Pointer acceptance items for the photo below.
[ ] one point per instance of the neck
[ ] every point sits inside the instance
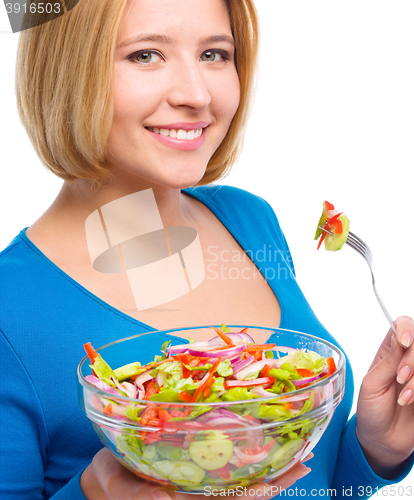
(79, 199)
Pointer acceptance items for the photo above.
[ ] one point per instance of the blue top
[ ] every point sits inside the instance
(46, 317)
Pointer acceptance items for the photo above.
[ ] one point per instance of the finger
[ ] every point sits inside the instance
(308, 457)
(383, 374)
(405, 331)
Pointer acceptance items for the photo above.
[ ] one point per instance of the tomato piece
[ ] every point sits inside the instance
(303, 372)
(332, 367)
(149, 414)
(108, 409)
(150, 390)
(265, 371)
(184, 396)
(224, 471)
(329, 206)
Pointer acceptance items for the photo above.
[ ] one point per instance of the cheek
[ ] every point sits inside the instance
(229, 92)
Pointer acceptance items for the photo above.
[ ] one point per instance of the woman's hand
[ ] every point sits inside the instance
(107, 479)
(385, 413)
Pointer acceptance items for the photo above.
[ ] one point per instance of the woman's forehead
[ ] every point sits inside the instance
(177, 17)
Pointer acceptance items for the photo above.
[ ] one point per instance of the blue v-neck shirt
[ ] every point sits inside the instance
(46, 317)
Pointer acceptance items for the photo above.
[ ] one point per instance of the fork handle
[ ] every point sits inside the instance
(384, 309)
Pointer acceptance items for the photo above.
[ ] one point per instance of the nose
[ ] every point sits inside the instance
(189, 86)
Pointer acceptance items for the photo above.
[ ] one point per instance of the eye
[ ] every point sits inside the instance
(214, 56)
(145, 57)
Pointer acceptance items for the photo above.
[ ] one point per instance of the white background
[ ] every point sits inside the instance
(333, 119)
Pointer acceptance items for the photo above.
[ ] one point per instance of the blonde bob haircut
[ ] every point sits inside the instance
(64, 87)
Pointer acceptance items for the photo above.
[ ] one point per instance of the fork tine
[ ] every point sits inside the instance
(361, 244)
(355, 243)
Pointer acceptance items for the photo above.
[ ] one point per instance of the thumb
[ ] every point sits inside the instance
(382, 374)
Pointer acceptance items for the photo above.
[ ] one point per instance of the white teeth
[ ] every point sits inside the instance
(185, 135)
(182, 134)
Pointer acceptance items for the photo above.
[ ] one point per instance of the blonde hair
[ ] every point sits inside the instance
(64, 87)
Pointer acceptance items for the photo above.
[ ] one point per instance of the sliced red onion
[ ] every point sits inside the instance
(246, 337)
(182, 348)
(250, 459)
(224, 353)
(308, 380)
(235, 360)
(219, 421)
(239, 366)
(261, 391)
(235, 337)
(222, 412)
(140, 381)
(257, 367)
(298, 397)
(103, 386)
(125, 387)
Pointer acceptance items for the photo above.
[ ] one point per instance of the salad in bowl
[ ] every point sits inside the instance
(226, 411)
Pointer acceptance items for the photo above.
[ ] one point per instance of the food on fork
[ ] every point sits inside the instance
(333, 222)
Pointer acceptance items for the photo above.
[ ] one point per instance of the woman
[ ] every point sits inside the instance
(103, 92)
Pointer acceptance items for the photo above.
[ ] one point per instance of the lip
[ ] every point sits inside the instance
(183, 126)
(182, 145)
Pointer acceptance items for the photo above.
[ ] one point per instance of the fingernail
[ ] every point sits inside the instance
(161, 495)
(406, 340)
(304, 473)
(403, 375)
(405, 397)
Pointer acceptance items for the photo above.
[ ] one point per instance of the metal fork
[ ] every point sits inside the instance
(362, 248)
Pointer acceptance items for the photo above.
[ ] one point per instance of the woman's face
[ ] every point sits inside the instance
(176, 90)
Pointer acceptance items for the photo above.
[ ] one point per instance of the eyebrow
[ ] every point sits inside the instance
(154, 37)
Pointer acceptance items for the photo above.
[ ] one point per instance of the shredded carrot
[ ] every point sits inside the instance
(223, 336)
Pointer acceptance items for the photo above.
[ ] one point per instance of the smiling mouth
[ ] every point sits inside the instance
(184, 135)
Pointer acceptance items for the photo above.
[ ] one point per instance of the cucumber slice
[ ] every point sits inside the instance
(211, 454)
(286, 453)
(322, 222)
(127, 371)
(181, 472)
(252, 471)
(336, 241)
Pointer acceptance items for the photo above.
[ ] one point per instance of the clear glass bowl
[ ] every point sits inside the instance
(190, 455)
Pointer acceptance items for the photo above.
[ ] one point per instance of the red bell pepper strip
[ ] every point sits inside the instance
(90, 351)
(210, 375)
(332, 367)
(258, 449)
(108, 409)
(224, 471)
(265, 371)
(229, 384)
(223, 336)
(303, 372)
